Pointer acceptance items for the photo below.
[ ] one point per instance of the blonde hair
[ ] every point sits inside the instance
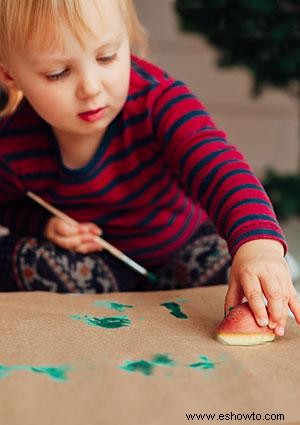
(21, 19)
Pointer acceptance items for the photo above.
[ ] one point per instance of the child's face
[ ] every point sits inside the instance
(78, 89)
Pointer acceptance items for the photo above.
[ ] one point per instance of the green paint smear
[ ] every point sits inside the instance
(59, 373)
(112, 305)
(182, 300)
(175, 310)
(163, 360)
(204, 364)
(229, 310)
(143, 366)
(110, 322)
(146, 367)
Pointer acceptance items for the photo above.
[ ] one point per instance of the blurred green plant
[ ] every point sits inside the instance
(262, 36)
(284, 191)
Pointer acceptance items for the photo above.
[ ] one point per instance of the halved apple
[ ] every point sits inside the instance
(239, 327)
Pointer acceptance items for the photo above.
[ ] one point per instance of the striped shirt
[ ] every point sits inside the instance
(161, 168)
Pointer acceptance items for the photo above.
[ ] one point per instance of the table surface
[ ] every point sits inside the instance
(135, 358)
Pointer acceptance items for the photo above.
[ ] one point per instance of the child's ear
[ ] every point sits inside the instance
(7, 78)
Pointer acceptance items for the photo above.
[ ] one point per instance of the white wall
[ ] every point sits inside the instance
(265, 129)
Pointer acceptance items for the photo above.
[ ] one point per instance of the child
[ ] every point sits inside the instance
(126, 150)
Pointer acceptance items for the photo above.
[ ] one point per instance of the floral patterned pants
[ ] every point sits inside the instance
(36, 264)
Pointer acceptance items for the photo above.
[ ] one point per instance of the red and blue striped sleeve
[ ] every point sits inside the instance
(214, 172)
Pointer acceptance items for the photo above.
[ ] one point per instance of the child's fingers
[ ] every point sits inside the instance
(279, 329)
(89, 228)
(233, 296)
(74, 242)
(87, 244)
(57, 227)
(294, 304)
(61, 228)
(253, 292)
(277, 297)
(88, 247)
(286, 293)
(76, 237)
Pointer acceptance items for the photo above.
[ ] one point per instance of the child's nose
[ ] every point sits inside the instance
(90, 85)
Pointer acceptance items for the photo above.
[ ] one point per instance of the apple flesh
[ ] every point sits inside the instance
(239, 327)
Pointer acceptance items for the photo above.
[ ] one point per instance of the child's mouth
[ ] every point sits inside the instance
(93, 115)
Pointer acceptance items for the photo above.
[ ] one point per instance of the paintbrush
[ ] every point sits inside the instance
(106, 245)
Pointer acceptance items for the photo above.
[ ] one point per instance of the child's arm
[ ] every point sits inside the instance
(212, 171)
(79, 238)
(259, 268)
(215, 174)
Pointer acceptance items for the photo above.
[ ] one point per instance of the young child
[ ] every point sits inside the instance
(126, 150)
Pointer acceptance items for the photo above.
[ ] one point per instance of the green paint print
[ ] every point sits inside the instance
(162, 360)
(58, 373)
(182, 300)
(112, 305)
(175, 310)
(110, 322)
(146, 367)
(4, 371)
(143, 366)
(204, 364)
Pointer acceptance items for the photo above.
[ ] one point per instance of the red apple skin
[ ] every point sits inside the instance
(240, 320)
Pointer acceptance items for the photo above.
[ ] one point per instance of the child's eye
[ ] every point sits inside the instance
(106, 59)
(56, 76)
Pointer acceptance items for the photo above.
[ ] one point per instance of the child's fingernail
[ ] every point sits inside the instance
(263, 322)
(272, 325)
(280, 331)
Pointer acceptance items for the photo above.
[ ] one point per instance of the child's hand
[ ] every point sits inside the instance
(80, 238)
(258, 268)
